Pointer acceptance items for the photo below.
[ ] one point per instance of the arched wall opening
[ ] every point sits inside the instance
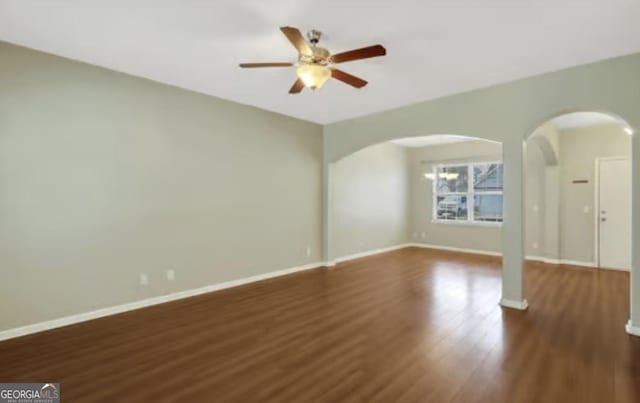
(565, 187)
(581, 181)
(442, 191)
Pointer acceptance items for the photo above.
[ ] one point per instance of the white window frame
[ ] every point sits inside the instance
(470, 193)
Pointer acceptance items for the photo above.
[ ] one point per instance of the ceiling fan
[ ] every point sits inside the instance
(314, 63)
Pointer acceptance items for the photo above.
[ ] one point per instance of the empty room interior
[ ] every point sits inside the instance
(367, 201)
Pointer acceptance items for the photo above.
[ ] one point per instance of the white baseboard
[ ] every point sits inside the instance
(578, 263)
(455, 249)
(492, 253)
(99, 313)
(368, 253)
(561, 261)
(113, 310)
(632, 330)
(615, 269)
(542, 259)
(461, 250)
(510, 303)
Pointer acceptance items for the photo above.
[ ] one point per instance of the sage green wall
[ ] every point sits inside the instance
(422, 227)
(370, 194)
(535, 202)
(104, 176)
(556, 218)
(501, 112)
(568, 234)
(543, 199)
(487, 238)
(579, 149)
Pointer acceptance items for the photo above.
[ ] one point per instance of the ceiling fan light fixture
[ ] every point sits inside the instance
(313, 75)
(313, 61)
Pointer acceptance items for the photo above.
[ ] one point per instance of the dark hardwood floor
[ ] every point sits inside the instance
(415, 325)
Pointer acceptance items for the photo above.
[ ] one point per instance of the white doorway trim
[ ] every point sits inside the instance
(596, 204)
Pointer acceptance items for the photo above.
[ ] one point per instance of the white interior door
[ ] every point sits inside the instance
(614, 215)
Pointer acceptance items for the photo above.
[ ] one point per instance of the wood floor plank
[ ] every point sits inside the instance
(414, 325)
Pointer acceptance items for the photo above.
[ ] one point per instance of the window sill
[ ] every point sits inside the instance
(490, 224)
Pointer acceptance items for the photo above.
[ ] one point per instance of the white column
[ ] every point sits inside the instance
(633, 326)
(513, 225)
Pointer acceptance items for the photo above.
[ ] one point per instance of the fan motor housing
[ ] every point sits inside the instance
(318, 56)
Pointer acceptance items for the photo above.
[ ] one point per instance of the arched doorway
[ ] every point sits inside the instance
(439, 190)
(578, 191)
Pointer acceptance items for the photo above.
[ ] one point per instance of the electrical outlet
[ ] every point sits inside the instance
(535, 245)
(308, 251)
(171, 275)
(423, 235)
(536, 208)
(144, 279)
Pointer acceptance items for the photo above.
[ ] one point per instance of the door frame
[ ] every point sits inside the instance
(596, 204)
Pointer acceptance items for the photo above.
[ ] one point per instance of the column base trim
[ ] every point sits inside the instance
(632, 330)
(514, 304)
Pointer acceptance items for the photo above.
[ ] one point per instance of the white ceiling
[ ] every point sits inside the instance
(431, 140)
(584, 119)
(435, 47)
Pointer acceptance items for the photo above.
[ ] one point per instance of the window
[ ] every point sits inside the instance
(468, 192)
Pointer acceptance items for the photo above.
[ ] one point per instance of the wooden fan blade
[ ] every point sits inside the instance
(296, 87)
(253, 65)
(357, 54)
(297, 40)
(348, 78)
